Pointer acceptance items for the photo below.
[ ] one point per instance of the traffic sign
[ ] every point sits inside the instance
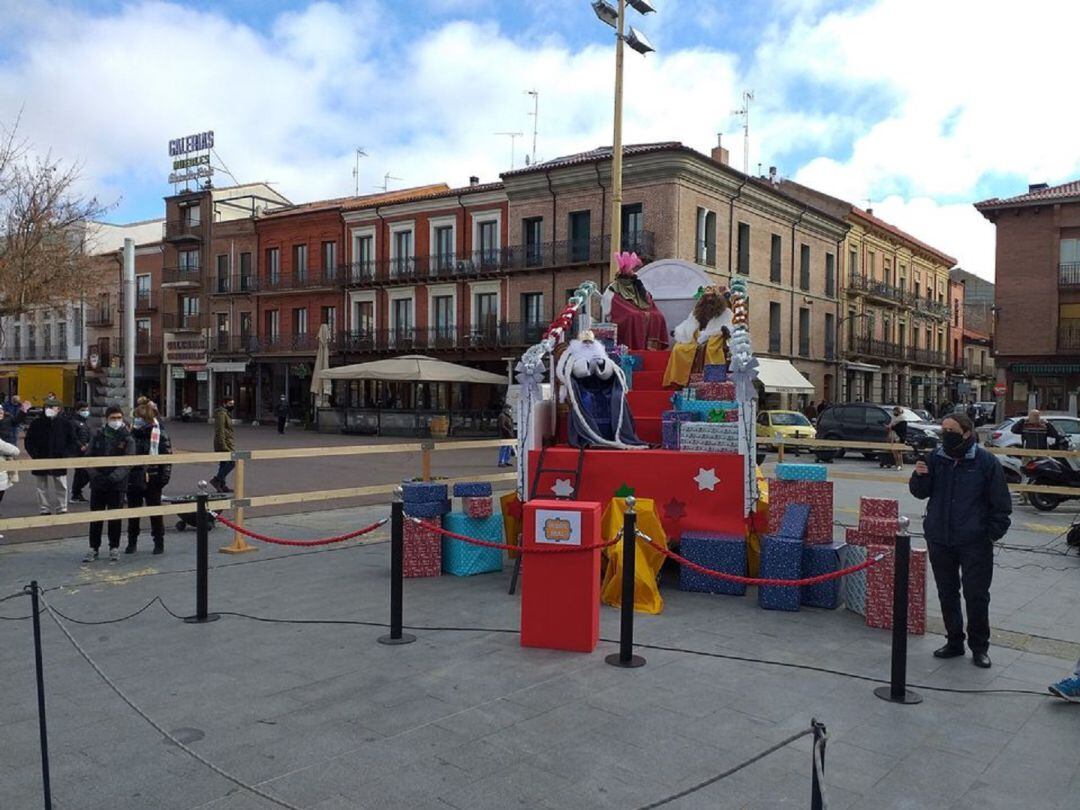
(999, 390)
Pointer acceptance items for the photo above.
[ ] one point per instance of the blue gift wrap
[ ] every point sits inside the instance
(795, 520)
(682, 402)
(718, 552)
(853, 586)
(630, 362)
(681, 416)
(462, 559)
(714, 373)
(669, 434)
(426, 509)
(472, 489)
(424, 491)
(781, 558)
(818, 560)
(800, 472)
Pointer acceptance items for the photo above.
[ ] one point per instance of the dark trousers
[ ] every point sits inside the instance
(281, 424)
(224, 468)
(151, 496)
(971, 567)
(101, 500)
(82, 478)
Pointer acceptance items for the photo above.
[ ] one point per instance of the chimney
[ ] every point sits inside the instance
(719, 153)
(773, 177)
(474, 180)
(1032, 187)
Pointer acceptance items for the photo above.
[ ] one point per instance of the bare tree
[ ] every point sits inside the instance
(44, 227)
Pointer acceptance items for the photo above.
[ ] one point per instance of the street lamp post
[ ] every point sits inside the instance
(616, 18)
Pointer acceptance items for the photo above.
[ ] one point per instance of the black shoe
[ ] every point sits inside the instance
(217, 484)
(130, 548)
(981, 660)
(949, 651)
(78, 498)
(159, 546)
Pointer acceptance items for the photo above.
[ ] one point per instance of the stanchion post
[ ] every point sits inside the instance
(817, 801)
(897, 691)
(202, 560)
(239, 544)
(397, 573)
(779, 448)
(625, 656)
(425, 459)
(43, 730)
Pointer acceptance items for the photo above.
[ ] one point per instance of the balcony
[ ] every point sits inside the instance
(307, 343)
(15, 353)
(972, 369)
(877, 289)
(926, 357)
(100, 317)
(1069, 335)
(312, 279)
(872, 347)
(184, 322)
(1069, 274)
(233, 344)
(147, 345)
(234, 285)
(932, 308)
(183, 276)
(146, 302)
(457, 338)
(183, 231)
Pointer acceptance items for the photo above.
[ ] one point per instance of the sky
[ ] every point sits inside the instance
(914, 107)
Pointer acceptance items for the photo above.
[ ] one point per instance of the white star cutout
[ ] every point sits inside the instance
(706, 479)
(562, 488)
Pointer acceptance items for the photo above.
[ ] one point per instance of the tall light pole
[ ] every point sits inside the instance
(513, 140)
(616, 18)
(535, 117)
(744, 113)
(356, 169)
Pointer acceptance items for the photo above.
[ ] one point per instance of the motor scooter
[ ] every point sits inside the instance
(1053, 472)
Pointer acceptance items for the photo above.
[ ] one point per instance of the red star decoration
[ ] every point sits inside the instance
(674, 509)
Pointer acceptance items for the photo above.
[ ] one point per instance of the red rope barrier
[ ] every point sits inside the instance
(530, 550)
(701, 569)
(277, 541)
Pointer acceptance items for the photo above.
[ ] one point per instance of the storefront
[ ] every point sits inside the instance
(187, 376)
(1046, 386)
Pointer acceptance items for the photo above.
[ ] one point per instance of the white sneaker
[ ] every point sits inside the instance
(91, 556)
(114, 555)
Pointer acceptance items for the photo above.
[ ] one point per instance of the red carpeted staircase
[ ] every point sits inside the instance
(646, 398)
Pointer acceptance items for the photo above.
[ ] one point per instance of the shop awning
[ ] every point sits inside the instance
(780, 377)
(852, 366)
(1045, 368)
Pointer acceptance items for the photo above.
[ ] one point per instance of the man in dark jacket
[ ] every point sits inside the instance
(81, 427)
(145, 483)
(108, 484)
(1038, 434)
(224, 442)
(51, 436)
(969, 509)
(282, 412)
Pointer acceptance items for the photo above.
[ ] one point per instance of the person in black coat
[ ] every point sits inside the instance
(145, 483)
(968, 510)
(1038, 434)
(282, 411)
(51, 436)
(81, 427)
(108, 485)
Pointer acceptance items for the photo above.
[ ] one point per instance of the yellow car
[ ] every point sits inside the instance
(789, 424)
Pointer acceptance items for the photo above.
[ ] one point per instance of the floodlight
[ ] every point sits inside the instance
(638, 41)
(606, 12)
(642, 6)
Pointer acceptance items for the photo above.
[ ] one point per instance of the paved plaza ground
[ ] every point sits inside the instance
(322, 716)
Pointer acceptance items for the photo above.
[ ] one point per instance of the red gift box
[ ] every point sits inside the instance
(421, 551)
(477, 507)
(879, 590)
(714, 391)
(883, 527)
(878, 508)
(818, 495)
(857, 537)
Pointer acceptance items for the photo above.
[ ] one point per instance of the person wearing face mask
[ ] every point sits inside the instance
(82, 435)
(224, 442)
(145, 483)
(968, 510)
(8, 451)
(108, 484)
(51, 436)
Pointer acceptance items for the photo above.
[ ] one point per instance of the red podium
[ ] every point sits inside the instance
(560, 591)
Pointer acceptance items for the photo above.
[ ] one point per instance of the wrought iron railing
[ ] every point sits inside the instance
(185, 274)
(235, 283)
(176, 230)
(455, 337)
(1069, 274)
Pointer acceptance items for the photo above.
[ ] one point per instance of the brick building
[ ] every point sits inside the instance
(975, 353)
(1037, 296)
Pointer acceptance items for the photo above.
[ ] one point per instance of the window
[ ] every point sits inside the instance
(273, 266)
(485, 318)
(580, 235)
(363, 317)
(222, 273)
(190, 215)
(221, 331)
(804, 332)
(142, 291)
(830, 275)
(532, 314)
(871, 264)
(488, 235)
(245, 272)
(61, 335)
(363, 258)
(16, 338)
(189, 311)
(901, 336)
(246, 330)
(774, 259)
(532, 235)
(929, 339)
(443, 313)
(272, 326)
(887, 272)
(142, 336)
(853, 263)
(402, 264)
(328, 316)
(299, 263)
(299, 321)
(633, 220)
(1070, 251)
(329, 260)
(804, 267)
(444, 247)
(705, 242)
(31, 338)
(401, 314)
(774, 327)
(830, 336)
(188, 261)
(46, 335)
(917, 289)
(744, 249)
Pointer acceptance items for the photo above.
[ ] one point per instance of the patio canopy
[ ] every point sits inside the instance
(780, 377)
(413, 368)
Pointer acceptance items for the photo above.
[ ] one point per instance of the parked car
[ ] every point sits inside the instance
(924, 416)
(866, 422)
(788, 424)
(1001, 434)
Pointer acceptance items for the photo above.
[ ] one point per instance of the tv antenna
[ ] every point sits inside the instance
(513, 136)
(386, 182)
(356, 169)
(536, 119)
(744, 112)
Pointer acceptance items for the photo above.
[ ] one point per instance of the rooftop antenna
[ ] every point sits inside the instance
(869, 205)
(356, 169)
(513, 136)
(536, 119)
(386, 182)
(747, 97)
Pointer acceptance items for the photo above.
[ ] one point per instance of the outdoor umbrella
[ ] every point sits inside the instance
(412, 368)
(322, 363)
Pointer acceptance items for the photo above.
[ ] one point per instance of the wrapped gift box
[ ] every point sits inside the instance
(695, 378)
(715, 373)
(424, 492)
(709, 437)
(427, 509)
(879, 590)
(723, 415)
(681, 416)
(818, 560)
(717, 552)
(781, 558)
(800, 472)
(606, 332)
(464, 559)
(817, 494)
(477, 507)
(685, 402)
(879, 527)
(630, 362)
(878, 508)
(669, 434)
(421, 550)
(472, 489)
(723, 391)
(853, 586)
(794, 522)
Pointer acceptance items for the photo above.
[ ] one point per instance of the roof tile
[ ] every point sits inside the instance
(1049, 194)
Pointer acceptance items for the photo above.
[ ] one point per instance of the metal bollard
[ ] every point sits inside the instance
(202, 561)
(397, 573)
(43, 730)
(625, 656)
(817, 800)
(897, 691)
